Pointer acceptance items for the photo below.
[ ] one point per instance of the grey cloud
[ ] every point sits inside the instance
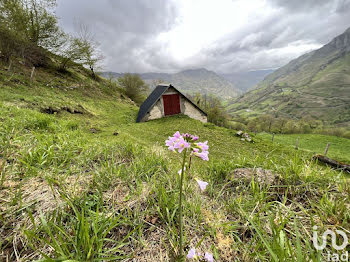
(125, 29)
(128, 31)
(343, 6)
(303, 5)
(260, 44)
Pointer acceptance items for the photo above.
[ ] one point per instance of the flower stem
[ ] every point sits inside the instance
(180, 205)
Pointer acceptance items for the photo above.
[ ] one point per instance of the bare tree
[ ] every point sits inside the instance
(69, 51)
(89, 48)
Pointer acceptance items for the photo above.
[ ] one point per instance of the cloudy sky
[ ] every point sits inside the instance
(221, 35)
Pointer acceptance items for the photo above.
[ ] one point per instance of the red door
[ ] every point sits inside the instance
(171, 104)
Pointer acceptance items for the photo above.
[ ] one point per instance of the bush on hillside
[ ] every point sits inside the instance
(13, 45)
(213, 107)
(33, 20)
(134, 87)
(29, 30)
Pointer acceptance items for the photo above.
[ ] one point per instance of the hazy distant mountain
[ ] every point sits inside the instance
(191, 81)
(316, 84)
(247, 80)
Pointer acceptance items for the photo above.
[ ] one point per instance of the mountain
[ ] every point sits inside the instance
(247, 80)
(190, 81)
(316, 84)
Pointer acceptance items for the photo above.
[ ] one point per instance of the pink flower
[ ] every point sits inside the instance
(195, 150)
(171, 142)
(189, 137)
(177, 142)
(192, 253)
(204, 146)
(202, 184)
(177, 134)
(194, 138)
(209, 257)
(186, 135)
(203, 155)
(181, 145)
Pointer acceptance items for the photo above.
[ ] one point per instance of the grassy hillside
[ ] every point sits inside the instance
(315, 144)
(316, 84)
(81, 181)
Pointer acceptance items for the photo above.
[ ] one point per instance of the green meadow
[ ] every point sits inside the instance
(339, 148)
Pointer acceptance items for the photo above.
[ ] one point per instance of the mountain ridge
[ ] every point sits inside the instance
(316, 84)
(192, 81)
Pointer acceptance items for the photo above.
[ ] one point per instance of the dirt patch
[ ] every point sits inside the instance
(52, 110)
(94, 130)
(49, 110)
(117, 195)
(262, 176)
(224, 246)
(154, 249)
(17, 200)
(37, 196)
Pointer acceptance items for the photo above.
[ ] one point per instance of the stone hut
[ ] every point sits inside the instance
(166, 100)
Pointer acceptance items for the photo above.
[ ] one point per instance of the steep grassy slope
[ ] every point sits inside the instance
(81, 181)
(316, 84)
(192, 81)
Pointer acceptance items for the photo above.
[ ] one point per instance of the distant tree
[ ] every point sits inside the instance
(238, 126)
(267, 122)
(133, 86)
(215, 110)
(213, 107)
(304, 127)
(290, 127)
(156, 82)
(279, 125)
(43, 28)
(310, 121)
(33, 19)
(252, 125)
(68, 52)
(89, 48)
(198, 99)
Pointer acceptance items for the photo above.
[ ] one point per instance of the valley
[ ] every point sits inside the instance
(247, 162)
(316, 85)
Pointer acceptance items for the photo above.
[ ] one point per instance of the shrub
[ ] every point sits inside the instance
(213, 107)
(13, 45)
(134, 87)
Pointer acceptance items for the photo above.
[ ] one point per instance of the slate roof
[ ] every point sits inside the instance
(153, 98)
